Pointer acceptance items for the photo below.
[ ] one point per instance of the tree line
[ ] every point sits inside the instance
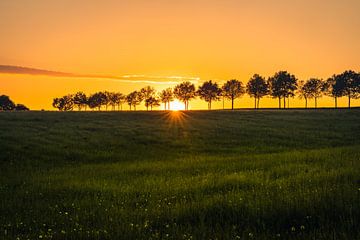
(6, 104)
(281, 86)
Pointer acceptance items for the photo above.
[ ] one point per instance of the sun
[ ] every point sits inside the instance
(177, 106)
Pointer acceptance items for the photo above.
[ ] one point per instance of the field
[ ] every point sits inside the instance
(198, 175)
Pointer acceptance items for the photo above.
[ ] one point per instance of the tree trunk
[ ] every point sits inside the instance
(349, 101)
(255, 103)
(223, 102)
(258, 104)
(288, 102)
(284, 102)
(315, 103)
(210, 105)
(306, 103)
(279, 102)
(335, 102)
(232, 103)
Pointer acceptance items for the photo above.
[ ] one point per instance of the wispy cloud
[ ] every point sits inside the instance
(133, 78)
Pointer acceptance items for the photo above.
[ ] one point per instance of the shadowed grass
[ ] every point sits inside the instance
(196, 175)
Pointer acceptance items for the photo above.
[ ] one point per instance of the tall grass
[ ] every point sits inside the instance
(196, 175)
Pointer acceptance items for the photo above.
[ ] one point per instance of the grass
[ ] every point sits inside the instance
(197, 175)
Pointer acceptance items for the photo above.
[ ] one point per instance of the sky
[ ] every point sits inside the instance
(123, 45)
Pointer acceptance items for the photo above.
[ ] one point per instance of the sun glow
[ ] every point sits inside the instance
(177, 106)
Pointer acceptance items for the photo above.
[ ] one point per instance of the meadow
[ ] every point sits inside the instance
(267, 174)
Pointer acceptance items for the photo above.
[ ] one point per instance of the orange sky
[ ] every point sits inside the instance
(157, 39)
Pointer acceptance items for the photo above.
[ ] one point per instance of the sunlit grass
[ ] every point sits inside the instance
(180, 175)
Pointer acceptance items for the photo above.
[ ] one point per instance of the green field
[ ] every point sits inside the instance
(198, 175)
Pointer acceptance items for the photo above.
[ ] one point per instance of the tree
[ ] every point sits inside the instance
(134, 99)
(120, 100)
(257, 88)
(185, 92)
(167, 96)
(113, 98)
(96, 100)
(106, 99)
(350, 82)
(152, 102)
(209, 92)
(80, 100)
(334, 88)
(6, 104)
(304, 92)
(64, 103)
(282, 85)
(233, 89)
(147, 93)
(315, 88)
(21, 107)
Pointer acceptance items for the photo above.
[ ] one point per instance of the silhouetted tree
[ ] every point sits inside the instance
(80, 100)
(21, 107)
(350, 82)
(64, 103)
(134, 99)
(106, 99)
(282, 85)
(167, 96)
(96, 100)
(334, 88)
(148, 93)
(223, 96)
(315, 89)
(185, 92)
(6, 104)
(112, 97)
(120, 100)
(257, 88)
(209, 92)
(304, 92)
(233, 89)
(152, 102)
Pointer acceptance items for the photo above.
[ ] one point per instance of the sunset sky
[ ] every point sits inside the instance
(123, 45)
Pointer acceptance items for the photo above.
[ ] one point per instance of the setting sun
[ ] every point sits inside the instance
(177, 106)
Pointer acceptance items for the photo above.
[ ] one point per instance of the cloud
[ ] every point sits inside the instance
(135, 78)
(31, 71)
